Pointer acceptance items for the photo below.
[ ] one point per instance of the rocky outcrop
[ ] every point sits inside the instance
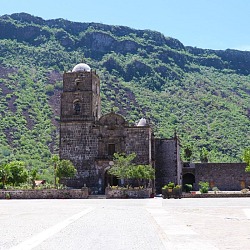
(99, 39)
(236, 60)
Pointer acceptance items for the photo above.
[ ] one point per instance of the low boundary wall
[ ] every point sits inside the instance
(45, 194)
(112, 193)
(218, 195)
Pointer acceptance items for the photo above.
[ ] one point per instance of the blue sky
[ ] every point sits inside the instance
(211, 24)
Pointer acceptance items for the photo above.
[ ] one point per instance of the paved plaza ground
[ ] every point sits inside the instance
(212, 223)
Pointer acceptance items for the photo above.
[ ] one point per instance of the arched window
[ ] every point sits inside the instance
(77, 84)
(188, 178)
(77, 107)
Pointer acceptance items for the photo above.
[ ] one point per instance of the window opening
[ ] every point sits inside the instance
(77, 85)
(111, 149)
(77, 108)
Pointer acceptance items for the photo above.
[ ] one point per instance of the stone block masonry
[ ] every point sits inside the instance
(113, 193)
(167, 162)
(45, 194)
(225, 176)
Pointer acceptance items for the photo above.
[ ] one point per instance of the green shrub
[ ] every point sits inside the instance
(170, 185)
(188, 188)
(215, 189)
(7, 196)
(49, 89)
(177, 188)
(204, 187)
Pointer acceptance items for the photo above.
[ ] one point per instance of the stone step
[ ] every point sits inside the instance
(97, 196)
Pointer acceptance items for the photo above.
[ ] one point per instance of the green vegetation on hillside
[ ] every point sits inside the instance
(204, 95)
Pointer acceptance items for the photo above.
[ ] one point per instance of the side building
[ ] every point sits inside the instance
(224, 176)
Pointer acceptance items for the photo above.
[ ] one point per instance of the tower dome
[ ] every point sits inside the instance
(142, 122)
(81, 67)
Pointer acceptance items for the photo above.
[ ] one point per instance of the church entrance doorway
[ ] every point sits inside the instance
(110, 180)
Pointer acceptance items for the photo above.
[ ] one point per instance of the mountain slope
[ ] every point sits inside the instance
(202, 94)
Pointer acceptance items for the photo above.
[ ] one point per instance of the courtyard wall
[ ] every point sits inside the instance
(225, 176)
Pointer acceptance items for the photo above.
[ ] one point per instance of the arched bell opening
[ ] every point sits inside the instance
(188, 178)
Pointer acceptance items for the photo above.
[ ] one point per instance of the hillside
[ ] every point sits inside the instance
(202, 94)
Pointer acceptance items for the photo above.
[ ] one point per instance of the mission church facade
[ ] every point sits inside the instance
(89, 139)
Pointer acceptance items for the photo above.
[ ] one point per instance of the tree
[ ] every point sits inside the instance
(204, 155)
(65, 168)
(18, 171)
(55, 161)
(5, 173)
(188, 153)
(122, 165)
(246, 158)
(142, 173)
(123, 168)
(33, 176)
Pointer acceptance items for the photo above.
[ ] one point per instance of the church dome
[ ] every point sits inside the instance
(142, 122)
(81, 67)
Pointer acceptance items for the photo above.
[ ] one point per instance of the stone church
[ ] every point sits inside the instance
(90, 139)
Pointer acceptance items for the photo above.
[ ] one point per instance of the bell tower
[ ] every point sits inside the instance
(80, 110)
(80, 99)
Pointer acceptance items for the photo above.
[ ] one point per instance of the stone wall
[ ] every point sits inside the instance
(225, 176)
(128, 193)
(74, 81)
(79, 144)
(217, 195)
(45, 194)
(84, 99)
(82, 88)
(138, 140)
(111, 132)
